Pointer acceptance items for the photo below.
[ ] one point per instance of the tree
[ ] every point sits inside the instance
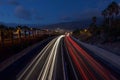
(105, 13)
(34, 32)
(2, 28)
(110, 14)
(25, 30)
(19, 32)
(76, 32)
(11, 29)
(113, 8)
(94, 19)
(93, 27)
(113, 11)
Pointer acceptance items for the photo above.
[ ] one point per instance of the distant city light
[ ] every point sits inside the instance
(85, 30)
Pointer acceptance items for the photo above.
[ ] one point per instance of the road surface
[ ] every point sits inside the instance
(66, 58)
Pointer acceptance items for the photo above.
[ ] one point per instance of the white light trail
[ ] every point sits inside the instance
(41, 54)
(51, 62)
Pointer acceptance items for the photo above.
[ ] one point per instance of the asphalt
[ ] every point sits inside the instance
(62, 58)
(108, 64)
(15, 68)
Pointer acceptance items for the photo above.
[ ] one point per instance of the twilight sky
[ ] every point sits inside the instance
(50, 11)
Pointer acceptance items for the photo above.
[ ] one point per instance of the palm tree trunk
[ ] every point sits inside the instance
(2, 38)
(19, 34)
(25, 34)
(12, 38)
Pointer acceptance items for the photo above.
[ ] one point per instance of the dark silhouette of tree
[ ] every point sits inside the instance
(111, 12)
(19, 32)
(2, 28)
(26, 29)
(29, 32)
(76, 32)
(93, 27)
(11, 30)
(105, 13)
(94, 18)
(110, 15)
(34, 32)
(113, 9)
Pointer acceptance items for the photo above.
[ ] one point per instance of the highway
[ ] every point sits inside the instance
(87, 66)
(66, 58)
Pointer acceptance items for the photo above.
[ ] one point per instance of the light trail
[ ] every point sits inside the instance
(51, 62)
(76, 78)
(82, 67)
(45, 65)
(84, 77)
(47, 69)
(34, 63)
(63, 63)
(95, 64)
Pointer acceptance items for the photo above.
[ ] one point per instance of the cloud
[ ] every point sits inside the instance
(13, 2)
(36, 14)
(22, 13)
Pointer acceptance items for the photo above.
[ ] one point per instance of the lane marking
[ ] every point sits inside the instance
(39, 55)
(50, 61)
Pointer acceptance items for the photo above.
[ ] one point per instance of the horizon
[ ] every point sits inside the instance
(62, 25)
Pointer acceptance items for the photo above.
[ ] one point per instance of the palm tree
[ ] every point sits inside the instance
(93, 27)
(105, 13)
(2, 27)
(34, 31)
(11, 29)
(25, 30)
(19, 32)
(29, 32)
(94, 18)
(113, 10)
